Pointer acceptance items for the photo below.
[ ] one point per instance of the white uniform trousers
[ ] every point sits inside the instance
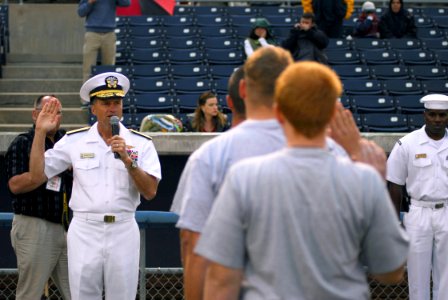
(100, 252)
(428, 232)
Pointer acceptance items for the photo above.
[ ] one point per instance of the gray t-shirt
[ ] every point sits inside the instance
(302, 223)
(205, 170)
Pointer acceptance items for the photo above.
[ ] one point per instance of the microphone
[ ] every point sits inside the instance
(114, 123)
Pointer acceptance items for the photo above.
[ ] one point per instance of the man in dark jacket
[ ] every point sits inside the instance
(305, 41)
(397, 22)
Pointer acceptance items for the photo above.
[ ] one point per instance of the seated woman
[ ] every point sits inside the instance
(367, 23)
(260, 36)
(207, 117)
(397, 22)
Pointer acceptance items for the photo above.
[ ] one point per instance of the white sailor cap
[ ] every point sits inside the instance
(435, 101)
(104, 86)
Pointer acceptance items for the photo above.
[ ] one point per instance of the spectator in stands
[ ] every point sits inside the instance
(207, 117)
(113, 169)
(260, 36)
(38, 233)
(100, 32)
(418, 162)
(367, 23)
(397, 22)
(330, 14)
(306, 41)
(290, 222)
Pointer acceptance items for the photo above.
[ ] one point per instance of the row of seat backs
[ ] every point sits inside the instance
(388, 44)
(392, 71)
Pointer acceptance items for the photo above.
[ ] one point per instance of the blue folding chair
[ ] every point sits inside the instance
(441, 21)
(429, 33)
(339, 44)
(282, 21)
(346, 101)
(98, 69)
(268, 11)
(183, 10)
(424, 22)
(434, 11)
(242, 20)
(209, 10)
(146, 31)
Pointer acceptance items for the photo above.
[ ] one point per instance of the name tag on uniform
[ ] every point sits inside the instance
(87, 155)
(54, 184)
(420, 155)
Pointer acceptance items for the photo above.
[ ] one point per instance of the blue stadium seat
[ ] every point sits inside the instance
(372, 103)
(145, 43)
(183, 10)
(417, 57)
(187, 102)
(146, 31)
(211, 20)
(363, 87)
(416, 121)
(242, 31)
(390, 72)
(346, 101)
(402, 87)
(267, 11)
(437, 44)
(147, 56)
(144, 21)
(214, 31)
(193, 70)
(385, 122)
(242, 20)
(185, 56)
(282, 21)
(429, 33)
(434, 11)
(152, 102)
(222, 71)
(435, 86)
(181, 20)
(336, 57)
(189, 42)
(224, 57)
(221, 43)
(404, 44)
(146, 71)
(180, 31)
(369, 44)
(209, 10)
(151, 85)
(423, 72)
(191, 86)
(380, 57)
(352, 71)
(341, 44)
(95, 70)
(441, 21)
(281, 32)
(409, 104)
(442, 57)
(242, 10)
(424, 22)
(220, 85)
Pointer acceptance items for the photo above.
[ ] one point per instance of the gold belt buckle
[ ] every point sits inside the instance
(109, 219)
(439, 205)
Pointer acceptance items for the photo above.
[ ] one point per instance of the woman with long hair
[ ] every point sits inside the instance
(207, 117)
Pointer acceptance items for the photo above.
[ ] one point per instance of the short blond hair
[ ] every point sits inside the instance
(306, 94)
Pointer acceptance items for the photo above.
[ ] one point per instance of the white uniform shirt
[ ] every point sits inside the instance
(101, 183)
(414, 161)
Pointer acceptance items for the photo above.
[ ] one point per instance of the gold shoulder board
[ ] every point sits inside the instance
(141, 134)
(78, 130)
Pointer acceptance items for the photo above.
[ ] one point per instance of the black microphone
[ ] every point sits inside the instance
(114, 123)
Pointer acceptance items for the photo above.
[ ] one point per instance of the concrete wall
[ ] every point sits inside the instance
(45, 29)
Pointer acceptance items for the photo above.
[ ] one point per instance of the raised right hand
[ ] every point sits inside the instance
(49, 116)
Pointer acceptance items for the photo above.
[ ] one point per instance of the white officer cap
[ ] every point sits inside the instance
(104, 86)
(435, 101)
(368, 6)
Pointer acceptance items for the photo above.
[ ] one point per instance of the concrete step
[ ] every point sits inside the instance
(15, 116)
(43, 58)
(52, 86)
(17, 100)
(24, 127)
(38, 71)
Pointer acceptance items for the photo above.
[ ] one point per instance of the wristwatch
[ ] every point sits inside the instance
(133, 165)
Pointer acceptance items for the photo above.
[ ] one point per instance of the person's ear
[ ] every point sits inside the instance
(242, 89)
(229, 102)
(278, 114)
(34, 115)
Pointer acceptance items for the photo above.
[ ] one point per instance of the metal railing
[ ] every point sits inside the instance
(167, 284)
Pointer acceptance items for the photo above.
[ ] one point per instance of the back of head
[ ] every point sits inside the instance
(306, 94)
(261, 70)
(234, 93)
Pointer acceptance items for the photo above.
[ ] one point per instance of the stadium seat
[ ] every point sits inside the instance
(429, 33)
(190, 70)
(242, 11)
(147, 56)
(151, 85)
(424, 22)
(183, 10)
(416, 121)
(372, 104)
(441, 21)
(434, 11)
(346, 101)
(193, 43)
(222, 71)
(187, 103)
(242, 20)
(145, 43)
(417, 57)
(146, 31)
(379, 57)
(282, 21)
(212, 31)
(144, 21)
(191, 86)
(442, 57)
(95, 70)
(156, 103)
(389, 72)
(220, 85)
(435, 86)
(369, 44)
(266, 11)
(146, 71)
(437, 44)
(404, 44)
(221, 43)
(402, 87)
(341, 44)
(211, 20)
(177, 21)
(343, 57)
(423, 72)
(352, 71)
(409, 104)
(385, 122)
(185, 56)
(362, 87)
(180, 31)
(242, 31)
(224, 57)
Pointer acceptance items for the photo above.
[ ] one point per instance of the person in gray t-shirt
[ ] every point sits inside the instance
(301, 223)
